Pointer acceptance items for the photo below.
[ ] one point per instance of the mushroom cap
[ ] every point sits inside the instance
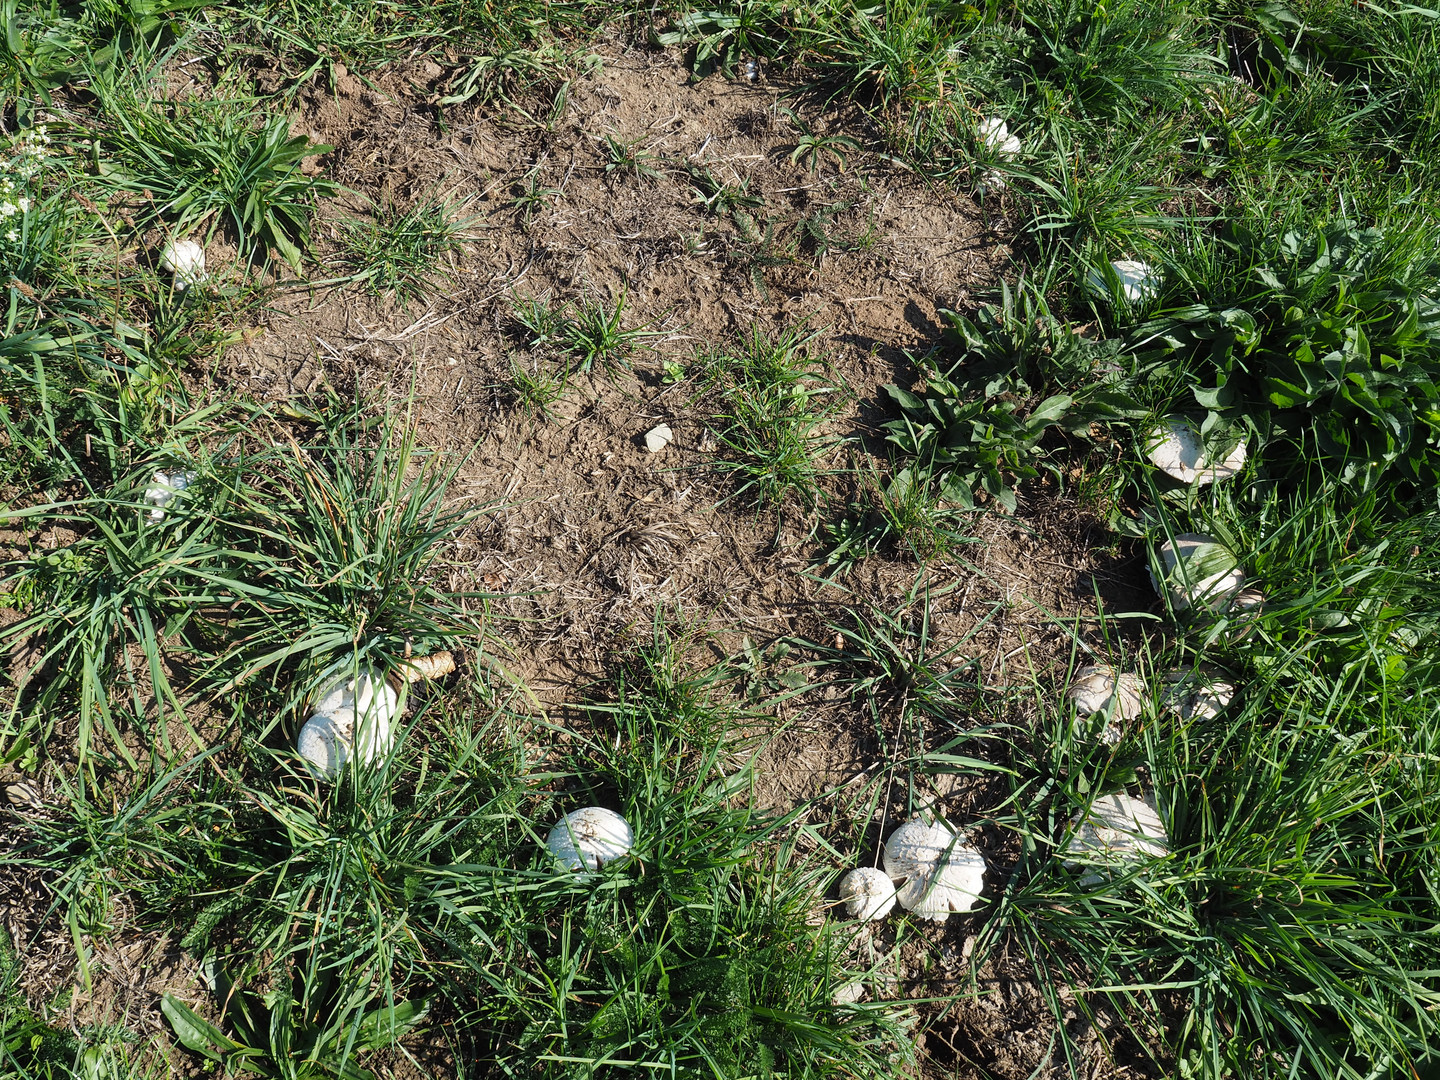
(1099, 688)
(589, 838)
(1250, 601)
(1139, 281)
(323, 747)
(186, 260)
(1117, 827)
(993, 131)
(1197, 695)
(995, 135)
(1176, 447)
(163, 488)
(868, 893)
(1198, 570)
(352, 714)
(942, 873)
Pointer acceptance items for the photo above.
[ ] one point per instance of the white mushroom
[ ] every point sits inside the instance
(1197, 695)
(1099, 688)
(164, 486)
(1139, 282)
(353, 716)
(589, 838)
(995, 135)
(868, 893)
(186, 260)
(1176, 447)
(1116, 828)
(1249, 602)
(942, 873)
(1198, 571)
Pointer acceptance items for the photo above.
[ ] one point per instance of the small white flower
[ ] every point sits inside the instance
(24, 205)
(7, 209)
(7, 186)
(12, 236)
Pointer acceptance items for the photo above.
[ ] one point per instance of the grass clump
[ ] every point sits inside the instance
(770, 401)
(1274, 936)
(401, 252)
(205, 163)
(339, 537)
(582, 332)
(902, 512)
(697, 954)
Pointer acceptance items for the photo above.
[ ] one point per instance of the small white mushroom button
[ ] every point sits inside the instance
(868, 893)
(587, 839)
(352, 717)
(186, 260)
(1198, 571)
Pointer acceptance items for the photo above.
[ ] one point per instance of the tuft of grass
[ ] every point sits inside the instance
(535, 387)
(770, 400)
(697, 952)
(401, 252)
(630, 157)
(340, 536)
(585, 332)
(531, 196)
(106, 603)
(901, 512)
(204, 164)
(1274, 930)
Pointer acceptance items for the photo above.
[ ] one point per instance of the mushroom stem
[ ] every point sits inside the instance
(421, 668)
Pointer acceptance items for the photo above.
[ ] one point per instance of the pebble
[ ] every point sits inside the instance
(23, 797)
(659, 437)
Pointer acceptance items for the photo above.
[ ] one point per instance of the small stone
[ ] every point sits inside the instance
(848, 994)
(659, 437)
(23, 797)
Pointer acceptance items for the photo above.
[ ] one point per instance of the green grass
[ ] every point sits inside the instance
(902, 513)
(1277, 163)
(583, 332)
(403, 252)
(206, 164)
(770, 398)
(1276, 920)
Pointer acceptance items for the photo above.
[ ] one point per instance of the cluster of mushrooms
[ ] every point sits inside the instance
(1197, 570)
(932, 872)
(353, 718)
